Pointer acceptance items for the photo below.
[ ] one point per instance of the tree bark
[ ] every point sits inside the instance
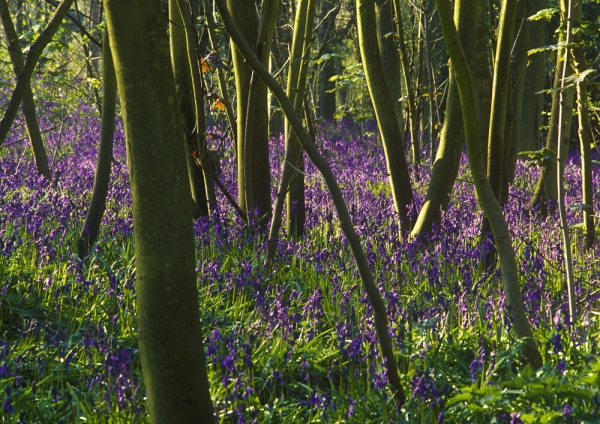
(169, 333)
(530, 133)
(485, 194)
(585, 140)
(383, 103)
(97, 206)
(546, 190)
(185, 93)
(379, 309)
(244, 14)
(452, 137)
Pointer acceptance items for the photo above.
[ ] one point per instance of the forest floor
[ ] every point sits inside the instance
(296, 344)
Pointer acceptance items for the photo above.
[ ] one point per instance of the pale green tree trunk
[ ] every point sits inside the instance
(97, 206)
(546, 189)
(484, 192)
(586, 140)
(383, 103)
(256, 147)
(296, 86)
(169, 333)
(452, 137)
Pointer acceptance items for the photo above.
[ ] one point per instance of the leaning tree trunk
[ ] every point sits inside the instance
(377, 303)
(452, 138)
(485, 194)
(97, 206)
(383, 103)
(169, 332)
(24, 77)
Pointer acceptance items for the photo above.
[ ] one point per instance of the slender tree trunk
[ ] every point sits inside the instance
(483, 189)
(452, 138)
(169, 333)
(384, 22)
(546, 190)
(482, 75)
(391, 134)
(23, 89)
(530, 133)
(407, 75)
(97, 206)
(585, 140)
(220, 72)
(326, 36)
(377, 303)
(500, 98)
(185, 93)
(252, 151)
(296, 86)
(28, 106)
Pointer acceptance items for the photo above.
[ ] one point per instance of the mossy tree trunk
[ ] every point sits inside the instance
(97, 206)
(452, 137)
(169, 332)
(383, 103)
(484, 192)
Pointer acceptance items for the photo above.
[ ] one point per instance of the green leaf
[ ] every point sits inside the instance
(546, 14)
(459, 398)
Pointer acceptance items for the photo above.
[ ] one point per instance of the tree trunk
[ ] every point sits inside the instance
(530, 133)
(185, 93)
(255, 165)
(384, 22)
(483, 189)
(546, 190)
(585, 140)
(482, 75)
(169, 333)
(24, 71)
(97, 206)
(296, 86)
(326, 36)
(452, 138)
(383, 103)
